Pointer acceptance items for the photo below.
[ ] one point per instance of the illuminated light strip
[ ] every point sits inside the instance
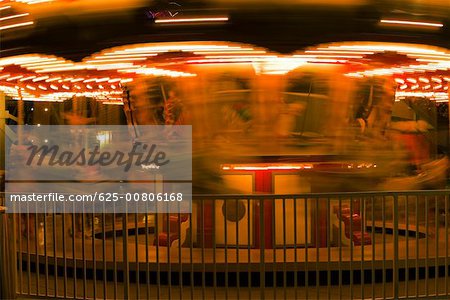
(399, 80)
(431, 95)
(266, 168)
(116, 66)
(27, 78)
(116, 60)
(43, 61)
(31, 87)
(16, 25)
(119, 102)
(384, 48)
(328, 56)
(50, 66)
(401, 22)
(424, 80)
(126, 80)
(67, 79)
(102, 79)
(426, 87)
(114, 80)
(5, 7)
(5, 76)
(42, 87)
(435, 56)
(90, 80)
(225, 60)
(405, 69)
(158, 72)
(124, 56)
(65, 87)
(191, 48)
(436, 79)
(338, 52)
(187, 20)
(14, 78)
(53, 79)
(69, 68)
(89, 86)
(17, 60)
(53, 87)
(76, 79)
(40, 78)
(14, 16)
(230, 52)
(240, 56)
(437, 87)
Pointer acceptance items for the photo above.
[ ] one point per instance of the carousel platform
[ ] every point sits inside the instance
(135, 249)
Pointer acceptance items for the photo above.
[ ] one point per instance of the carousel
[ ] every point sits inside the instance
(330, 118)
(265, 133)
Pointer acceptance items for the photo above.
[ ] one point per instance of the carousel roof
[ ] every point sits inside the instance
(419, 71)
(74, 29)
(56, 49)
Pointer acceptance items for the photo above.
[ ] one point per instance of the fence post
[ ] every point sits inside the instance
(7, 257)
(395, 275)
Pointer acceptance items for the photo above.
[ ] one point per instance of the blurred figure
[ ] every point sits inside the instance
(173, 110)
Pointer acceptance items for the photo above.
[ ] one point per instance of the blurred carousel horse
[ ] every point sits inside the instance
(430, 176)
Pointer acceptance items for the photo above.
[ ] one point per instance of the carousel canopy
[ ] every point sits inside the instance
(418, 71)
(74, 29)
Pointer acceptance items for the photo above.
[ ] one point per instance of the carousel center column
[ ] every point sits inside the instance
(267, 107)
(336, 118)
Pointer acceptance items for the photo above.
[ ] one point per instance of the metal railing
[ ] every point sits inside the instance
(346, 246)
